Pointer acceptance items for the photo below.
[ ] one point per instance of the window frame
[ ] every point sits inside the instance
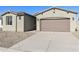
(8, 20)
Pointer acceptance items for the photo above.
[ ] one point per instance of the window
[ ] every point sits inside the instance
(54, 11)
(19, 17)
(8, 20)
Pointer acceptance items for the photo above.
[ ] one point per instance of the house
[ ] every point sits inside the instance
(56, 20)
(18, 21)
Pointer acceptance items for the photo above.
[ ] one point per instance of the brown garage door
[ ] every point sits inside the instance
(61, 25)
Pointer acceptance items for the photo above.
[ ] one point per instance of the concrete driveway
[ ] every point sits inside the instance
(49, 42)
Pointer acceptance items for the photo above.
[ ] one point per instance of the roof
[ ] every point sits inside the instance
(17, 13)
(55, 8)
(55, 18)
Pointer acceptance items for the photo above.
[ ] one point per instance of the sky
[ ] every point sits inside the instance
(34, 9)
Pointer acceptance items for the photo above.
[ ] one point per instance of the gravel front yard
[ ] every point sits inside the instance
(8, 39)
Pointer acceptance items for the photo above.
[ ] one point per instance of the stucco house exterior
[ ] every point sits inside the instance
(78, 25)
(56, 20)
(18, 21)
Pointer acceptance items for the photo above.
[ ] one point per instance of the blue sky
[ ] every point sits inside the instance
(34, 9)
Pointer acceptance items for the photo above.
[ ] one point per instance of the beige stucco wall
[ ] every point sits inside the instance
(9, 27)
(29, 23)
(73, 23)
(58, 13)
(78, 25)
(20, 24)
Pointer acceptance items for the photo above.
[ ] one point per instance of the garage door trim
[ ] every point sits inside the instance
(53, 19)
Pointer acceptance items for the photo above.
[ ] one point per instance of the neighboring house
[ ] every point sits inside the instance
(18, 22)
(57, 20)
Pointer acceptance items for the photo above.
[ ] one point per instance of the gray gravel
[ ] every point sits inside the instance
(8, 39)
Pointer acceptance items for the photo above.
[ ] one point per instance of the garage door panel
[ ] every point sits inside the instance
(55, 25)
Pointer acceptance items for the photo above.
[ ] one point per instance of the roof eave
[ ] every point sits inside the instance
(7, 13)
(55, 8)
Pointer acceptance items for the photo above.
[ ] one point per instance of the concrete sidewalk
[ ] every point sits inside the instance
(49, 42)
